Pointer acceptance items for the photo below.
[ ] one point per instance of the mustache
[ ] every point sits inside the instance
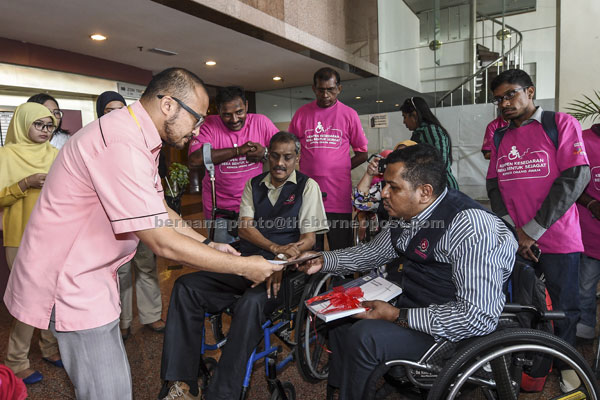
(279, 169)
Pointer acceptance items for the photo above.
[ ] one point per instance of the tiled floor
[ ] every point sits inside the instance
(144, 351)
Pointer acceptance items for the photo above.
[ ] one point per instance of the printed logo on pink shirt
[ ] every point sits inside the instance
(529, 165)
(237, 165)
(323, 138)
(596, 178)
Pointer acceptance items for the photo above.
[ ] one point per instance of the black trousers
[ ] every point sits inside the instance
(199, 292)
(358, 348)
(340, 232)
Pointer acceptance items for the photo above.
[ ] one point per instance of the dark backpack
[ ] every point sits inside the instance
(548, 123)
(526, 288)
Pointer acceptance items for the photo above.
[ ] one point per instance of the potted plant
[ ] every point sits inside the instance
(177, 179)
(586, 109)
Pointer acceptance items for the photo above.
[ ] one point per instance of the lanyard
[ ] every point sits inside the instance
(134, 117)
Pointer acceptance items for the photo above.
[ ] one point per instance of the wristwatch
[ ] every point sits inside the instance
(402, 319)
(266, 156)
(207, 241)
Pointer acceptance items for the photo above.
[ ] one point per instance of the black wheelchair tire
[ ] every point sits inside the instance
(317, 284)
(501, 340)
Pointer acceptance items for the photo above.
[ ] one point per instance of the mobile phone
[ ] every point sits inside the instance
(536, 251)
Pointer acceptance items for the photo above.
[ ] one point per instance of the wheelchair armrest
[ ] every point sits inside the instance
(514, 308)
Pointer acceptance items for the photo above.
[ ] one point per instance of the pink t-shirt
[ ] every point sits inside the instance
(326, 135)
(488, 138)
(231, 175)
(526, 165)
(590, 226)
(103, 186)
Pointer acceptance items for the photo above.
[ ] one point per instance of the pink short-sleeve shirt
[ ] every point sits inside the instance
(488, 137)
(103, 186)
(590, 226)
(526, 165)
(326, 135)
(231, 175)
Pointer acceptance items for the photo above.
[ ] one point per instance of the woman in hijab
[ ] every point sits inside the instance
(109, 101)
(60, 136)
(427, 129)
(24, 163)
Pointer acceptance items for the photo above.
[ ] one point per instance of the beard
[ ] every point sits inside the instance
(172, 138)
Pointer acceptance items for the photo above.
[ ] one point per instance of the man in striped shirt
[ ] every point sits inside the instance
(457, 256)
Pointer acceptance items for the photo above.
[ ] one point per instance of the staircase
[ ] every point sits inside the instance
(474, 89)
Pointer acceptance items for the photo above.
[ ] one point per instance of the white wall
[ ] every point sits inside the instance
(398, 43)
(72, 91)
(539, 46)
(579, 58)
(466, 126)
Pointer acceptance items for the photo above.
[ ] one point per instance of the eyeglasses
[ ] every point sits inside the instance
(187, 108)
(40, 126)
(57, 114)
(508, 95)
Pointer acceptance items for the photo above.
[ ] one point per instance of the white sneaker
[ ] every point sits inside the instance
(181, 391)
(569, 380)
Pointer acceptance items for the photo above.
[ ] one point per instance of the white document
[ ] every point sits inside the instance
(374, 287)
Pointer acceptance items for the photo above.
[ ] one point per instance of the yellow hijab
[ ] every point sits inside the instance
(21, 157)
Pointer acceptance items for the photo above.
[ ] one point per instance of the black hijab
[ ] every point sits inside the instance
(106, 98)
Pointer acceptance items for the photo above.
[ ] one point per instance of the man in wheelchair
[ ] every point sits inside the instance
(280, 214)
(457, 256)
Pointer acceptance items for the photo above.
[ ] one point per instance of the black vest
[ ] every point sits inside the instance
(426, 281)
(278, 223)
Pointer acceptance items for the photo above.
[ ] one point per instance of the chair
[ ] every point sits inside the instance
(488, 367)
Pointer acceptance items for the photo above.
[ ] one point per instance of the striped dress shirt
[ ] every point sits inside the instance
(481, 250)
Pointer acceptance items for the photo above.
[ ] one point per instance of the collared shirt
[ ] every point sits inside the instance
(311, 217)
(536, 183)
(103, 186)
(481, 250)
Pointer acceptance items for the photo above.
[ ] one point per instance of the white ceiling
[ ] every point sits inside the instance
(129, 24)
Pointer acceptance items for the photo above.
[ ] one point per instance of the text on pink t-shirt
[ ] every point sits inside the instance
(231, 175)
(526, 165)
(326, 135)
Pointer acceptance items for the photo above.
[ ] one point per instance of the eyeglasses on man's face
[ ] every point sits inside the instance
(199, 118)
(41, 126)
(508, 95)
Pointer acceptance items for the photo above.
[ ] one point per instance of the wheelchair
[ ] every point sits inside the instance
(488, 367)
(280, 323)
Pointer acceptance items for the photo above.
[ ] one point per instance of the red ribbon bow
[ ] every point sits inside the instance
(340, 299)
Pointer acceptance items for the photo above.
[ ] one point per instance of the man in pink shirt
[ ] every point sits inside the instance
(239, 143)
(101, 196)
(589, 217)
(327, 129)
(538, 169)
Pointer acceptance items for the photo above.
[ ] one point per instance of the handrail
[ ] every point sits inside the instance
(491, 64)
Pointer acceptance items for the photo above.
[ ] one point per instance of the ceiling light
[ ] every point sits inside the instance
(396, 105)
(98, 37)
(211, 63)
(378, 101)
(274, 105)
(277, 78)
(357, 97)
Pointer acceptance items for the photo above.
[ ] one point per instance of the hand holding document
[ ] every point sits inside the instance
(300, 260)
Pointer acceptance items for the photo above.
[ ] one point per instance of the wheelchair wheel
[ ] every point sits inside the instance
(494, 364)
(311, 334)
(289, 390)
